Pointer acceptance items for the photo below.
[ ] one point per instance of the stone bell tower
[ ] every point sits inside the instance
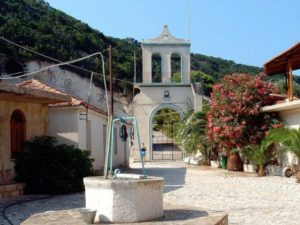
(159, 90)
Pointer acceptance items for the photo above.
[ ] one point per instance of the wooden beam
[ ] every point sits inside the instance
(291, 83)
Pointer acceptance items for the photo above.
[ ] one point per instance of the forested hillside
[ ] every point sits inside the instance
(38, 26)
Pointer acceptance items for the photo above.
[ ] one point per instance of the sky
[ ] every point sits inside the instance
(247, 31)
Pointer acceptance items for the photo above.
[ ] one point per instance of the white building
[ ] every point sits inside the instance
(289, 108)
(82, 125)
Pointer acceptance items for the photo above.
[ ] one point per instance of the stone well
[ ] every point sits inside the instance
(125, 200)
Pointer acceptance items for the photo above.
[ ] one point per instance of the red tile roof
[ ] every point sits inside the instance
(36, 84)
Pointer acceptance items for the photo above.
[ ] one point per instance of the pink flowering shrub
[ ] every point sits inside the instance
(234, 119)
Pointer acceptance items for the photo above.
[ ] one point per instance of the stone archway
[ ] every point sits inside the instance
(151, 119)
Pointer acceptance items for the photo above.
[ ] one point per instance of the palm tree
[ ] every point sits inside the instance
(260, 154)
(290, 138)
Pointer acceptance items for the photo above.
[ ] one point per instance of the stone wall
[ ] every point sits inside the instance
(11, 190)
(36, 116)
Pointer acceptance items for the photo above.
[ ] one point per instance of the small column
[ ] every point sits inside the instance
(147, 66)
(185, 69)
(291, 83)
(166, 68)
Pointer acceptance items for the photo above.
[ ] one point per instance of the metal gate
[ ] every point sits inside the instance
(164, 147)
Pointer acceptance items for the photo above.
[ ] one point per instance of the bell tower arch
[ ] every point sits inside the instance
(166, 45)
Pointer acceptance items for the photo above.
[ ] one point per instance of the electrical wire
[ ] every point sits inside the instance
(69, 63)
(51, 66)
(57, 60)
(176, 111)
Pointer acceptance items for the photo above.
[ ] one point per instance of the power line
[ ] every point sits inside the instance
(51, 66)
(176, 112)
(57, 60)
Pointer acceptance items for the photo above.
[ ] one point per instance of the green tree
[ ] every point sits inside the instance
(191, 132)
(165, 120)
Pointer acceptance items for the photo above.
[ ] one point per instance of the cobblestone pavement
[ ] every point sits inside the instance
(248, 199)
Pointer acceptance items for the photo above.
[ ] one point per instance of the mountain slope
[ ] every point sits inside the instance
(38, 26)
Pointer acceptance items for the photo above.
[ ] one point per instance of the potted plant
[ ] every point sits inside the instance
(260, 154)
(290, 138)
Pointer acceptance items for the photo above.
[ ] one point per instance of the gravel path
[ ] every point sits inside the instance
(248, 199)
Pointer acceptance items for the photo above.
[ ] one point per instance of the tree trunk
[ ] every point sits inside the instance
(234, 162)
(261, 171)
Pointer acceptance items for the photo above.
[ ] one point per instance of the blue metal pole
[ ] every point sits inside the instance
(139, 145)
(112, 147)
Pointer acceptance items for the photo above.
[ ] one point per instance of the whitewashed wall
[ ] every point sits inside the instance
(63, 124)
(291, 119)
(64, 119)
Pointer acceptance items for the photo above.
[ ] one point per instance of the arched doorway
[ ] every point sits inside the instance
(163, 124)
(17, 133)
(156, 68)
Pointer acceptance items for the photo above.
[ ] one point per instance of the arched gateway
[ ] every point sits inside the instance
(170, 89)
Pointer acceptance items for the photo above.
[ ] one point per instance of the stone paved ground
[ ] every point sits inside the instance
(247, 198)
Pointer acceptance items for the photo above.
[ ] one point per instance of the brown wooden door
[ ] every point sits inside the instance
(17, 132)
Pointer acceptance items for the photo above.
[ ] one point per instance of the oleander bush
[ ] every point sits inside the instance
(234, 119)
(48, 167)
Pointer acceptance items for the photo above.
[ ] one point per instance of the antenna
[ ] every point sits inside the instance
(134, 61)
(189, 20)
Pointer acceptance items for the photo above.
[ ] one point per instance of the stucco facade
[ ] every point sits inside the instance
(66, 123)
(36, 125)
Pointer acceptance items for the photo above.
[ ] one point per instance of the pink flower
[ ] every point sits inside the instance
(216, 129)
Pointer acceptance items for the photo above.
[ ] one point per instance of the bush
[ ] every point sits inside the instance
(49, 168)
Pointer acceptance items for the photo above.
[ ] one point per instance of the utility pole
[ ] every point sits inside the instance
(134, 75)
(111, 82)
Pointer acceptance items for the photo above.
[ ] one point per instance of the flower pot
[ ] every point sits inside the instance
(214, 164)
(88, 215)
(195, 161)
(224, 162)
(250, 168)
(274, 170)
(187, 160)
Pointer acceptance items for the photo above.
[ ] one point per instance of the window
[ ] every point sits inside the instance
(17, 133)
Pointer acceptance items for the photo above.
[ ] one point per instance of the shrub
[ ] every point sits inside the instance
(47, 167)
(234, 119)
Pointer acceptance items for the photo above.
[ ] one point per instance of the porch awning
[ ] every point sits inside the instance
(280, 64)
